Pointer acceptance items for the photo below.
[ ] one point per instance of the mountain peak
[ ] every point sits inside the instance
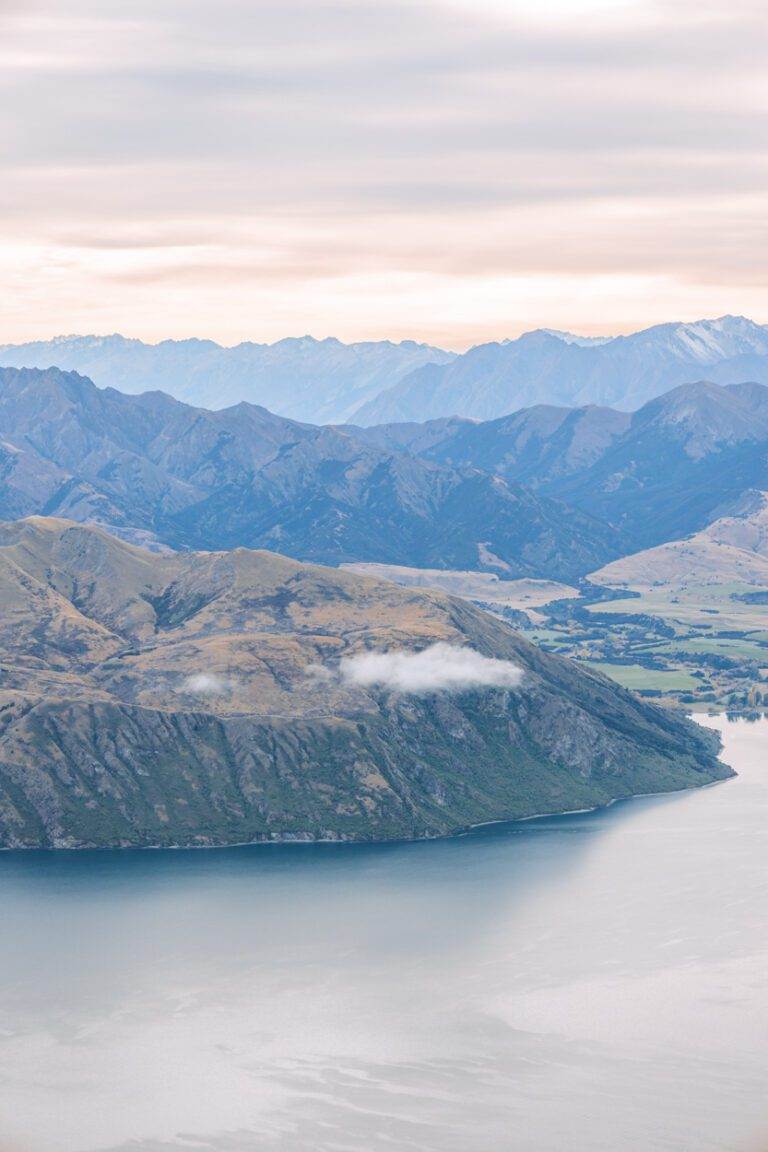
(581, 341)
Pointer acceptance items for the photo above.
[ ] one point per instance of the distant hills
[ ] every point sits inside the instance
(198, 699)
(327, 381)
(154, 469)
(731, 551)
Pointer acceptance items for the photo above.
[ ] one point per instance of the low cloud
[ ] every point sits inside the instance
(439, 668)
(205, 684)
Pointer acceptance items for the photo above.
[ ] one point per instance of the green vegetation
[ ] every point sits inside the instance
(688, 643)
(640, 679)
(739, 648)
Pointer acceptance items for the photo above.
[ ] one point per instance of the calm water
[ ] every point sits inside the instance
(584, 983)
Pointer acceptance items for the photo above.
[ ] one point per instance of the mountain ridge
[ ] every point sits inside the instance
(624, 372)
(298, 377)
(546, 491)
(659, 473)
(243, 476)
(373, 382)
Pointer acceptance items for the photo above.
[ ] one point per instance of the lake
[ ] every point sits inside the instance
(583, 983)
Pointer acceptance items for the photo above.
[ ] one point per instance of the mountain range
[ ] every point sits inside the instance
(656, 474)
(547, 491)
(196, 699)
(321, 381)
(204, 691)
(547, 368)
(327, 381)
(156, 470)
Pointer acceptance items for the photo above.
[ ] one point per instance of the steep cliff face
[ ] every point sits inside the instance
(198, 699)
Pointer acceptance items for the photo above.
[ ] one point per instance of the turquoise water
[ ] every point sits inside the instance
(583, 983)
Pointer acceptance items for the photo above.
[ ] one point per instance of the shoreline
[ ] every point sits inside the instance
(459, 833)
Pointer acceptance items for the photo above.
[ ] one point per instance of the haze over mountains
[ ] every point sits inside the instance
(543, 368)
(321, 381)
(326, 381)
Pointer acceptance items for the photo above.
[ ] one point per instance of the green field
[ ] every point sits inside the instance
(694, 607)
(637, 678)
(547, 636)
(737, 649)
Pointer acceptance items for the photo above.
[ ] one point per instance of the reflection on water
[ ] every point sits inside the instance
(591, 982)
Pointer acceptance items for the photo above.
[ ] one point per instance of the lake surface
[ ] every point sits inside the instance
(573, 984)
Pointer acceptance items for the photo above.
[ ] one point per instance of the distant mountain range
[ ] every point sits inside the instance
(546, 368)
(198, 699)
(321, 381)
(326, 381)
(154, 469)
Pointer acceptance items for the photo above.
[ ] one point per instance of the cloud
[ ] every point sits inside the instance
(445, 169)
(206, 684)
(439, 668)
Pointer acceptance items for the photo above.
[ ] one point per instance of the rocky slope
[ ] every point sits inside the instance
(212, 698)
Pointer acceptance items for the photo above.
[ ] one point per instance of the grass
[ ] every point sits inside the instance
(738, 649)
(696, 607)
(546, 636)
(638, 679)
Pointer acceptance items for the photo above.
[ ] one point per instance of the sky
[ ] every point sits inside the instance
(450, 171)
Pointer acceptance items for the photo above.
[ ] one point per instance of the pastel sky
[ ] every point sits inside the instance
(453, 170)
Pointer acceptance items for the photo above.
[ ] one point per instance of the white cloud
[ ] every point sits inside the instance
(205, 684)
(439, 668)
